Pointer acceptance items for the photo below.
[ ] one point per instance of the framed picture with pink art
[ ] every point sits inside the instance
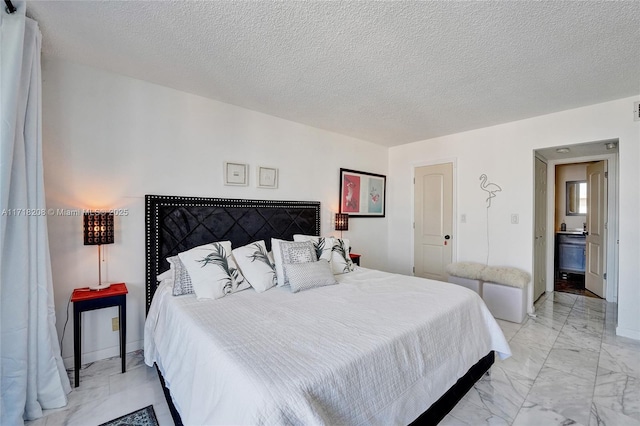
(362, 194)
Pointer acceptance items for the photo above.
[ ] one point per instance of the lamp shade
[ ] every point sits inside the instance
(342, 222)
(98, 228)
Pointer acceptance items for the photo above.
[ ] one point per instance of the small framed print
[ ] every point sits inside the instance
(267, 177)
(236, 174)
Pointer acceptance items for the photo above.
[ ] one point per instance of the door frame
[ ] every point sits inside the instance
(611, 293)
(454, 240)
(531, 294)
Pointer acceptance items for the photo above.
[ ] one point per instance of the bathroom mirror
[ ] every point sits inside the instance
(577, 198)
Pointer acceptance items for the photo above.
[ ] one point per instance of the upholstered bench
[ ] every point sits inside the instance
(504, 291)
(466, 274)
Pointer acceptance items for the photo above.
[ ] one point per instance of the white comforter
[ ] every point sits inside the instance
(378, 348)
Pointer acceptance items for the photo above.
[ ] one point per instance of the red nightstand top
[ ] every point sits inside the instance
(86, 294)
(354, 255)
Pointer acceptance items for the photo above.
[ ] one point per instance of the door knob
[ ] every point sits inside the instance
(446, 237)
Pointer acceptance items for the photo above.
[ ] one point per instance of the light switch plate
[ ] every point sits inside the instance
(515, 218)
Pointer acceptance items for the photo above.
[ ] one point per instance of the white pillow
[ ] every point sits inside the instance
(213, 271)
(321, 245)
(307, 275)
(341, 262)
(169, 274)
(166, 278)
(256, 266)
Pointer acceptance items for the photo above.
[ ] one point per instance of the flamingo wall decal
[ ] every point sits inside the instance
(489, 188)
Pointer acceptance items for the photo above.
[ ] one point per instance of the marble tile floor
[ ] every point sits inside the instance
(568, 368)
(105, 394)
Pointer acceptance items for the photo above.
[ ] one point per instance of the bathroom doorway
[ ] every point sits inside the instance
(573, 258)
(582, 231)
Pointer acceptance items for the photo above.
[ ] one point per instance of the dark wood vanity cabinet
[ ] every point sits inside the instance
(570, 253)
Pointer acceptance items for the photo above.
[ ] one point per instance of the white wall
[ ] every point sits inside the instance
(505, 154)
(110, 139)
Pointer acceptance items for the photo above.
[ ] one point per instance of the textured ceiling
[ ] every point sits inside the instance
(387, 72)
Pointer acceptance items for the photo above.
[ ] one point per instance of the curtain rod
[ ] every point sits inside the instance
(10, 7)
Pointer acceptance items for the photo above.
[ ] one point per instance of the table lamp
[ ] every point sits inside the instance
(342, 222)
(98, 230)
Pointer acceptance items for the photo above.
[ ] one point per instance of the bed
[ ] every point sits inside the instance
(377, 348)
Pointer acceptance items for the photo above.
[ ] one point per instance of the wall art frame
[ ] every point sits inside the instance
(236, 174)
(267, 177)
(362, 194)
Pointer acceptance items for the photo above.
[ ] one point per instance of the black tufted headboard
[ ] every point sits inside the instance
(175, 224)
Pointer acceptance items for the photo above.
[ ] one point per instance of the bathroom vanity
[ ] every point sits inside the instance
(570, 252)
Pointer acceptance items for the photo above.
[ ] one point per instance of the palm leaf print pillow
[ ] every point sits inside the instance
(256, 266)
(321, 245)
(341, 262)
(213, 271)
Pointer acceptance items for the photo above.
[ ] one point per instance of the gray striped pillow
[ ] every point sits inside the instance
(296, 252)
(181, 281)
(307, 275)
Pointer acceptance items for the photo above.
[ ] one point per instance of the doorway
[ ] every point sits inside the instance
(433, 220)
(587, 242)
(580, 224)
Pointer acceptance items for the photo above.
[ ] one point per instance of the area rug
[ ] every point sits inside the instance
(142, 417)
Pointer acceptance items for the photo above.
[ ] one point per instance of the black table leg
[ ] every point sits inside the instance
(76, 342)
(122, 315)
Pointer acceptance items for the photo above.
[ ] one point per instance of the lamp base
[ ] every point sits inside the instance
(99, 286)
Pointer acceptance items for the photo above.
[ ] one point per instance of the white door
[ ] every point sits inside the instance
(433, 215)
(596, 247)
(540, 232)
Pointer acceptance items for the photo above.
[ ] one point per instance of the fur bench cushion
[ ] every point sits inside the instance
(506, 275)
(470, 270)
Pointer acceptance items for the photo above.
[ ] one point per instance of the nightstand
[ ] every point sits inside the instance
(87, 300)
(355, 258)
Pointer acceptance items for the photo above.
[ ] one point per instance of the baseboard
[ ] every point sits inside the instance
(103, 353)
(627, 332)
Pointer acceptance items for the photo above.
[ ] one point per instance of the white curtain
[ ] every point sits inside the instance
(33, 376)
